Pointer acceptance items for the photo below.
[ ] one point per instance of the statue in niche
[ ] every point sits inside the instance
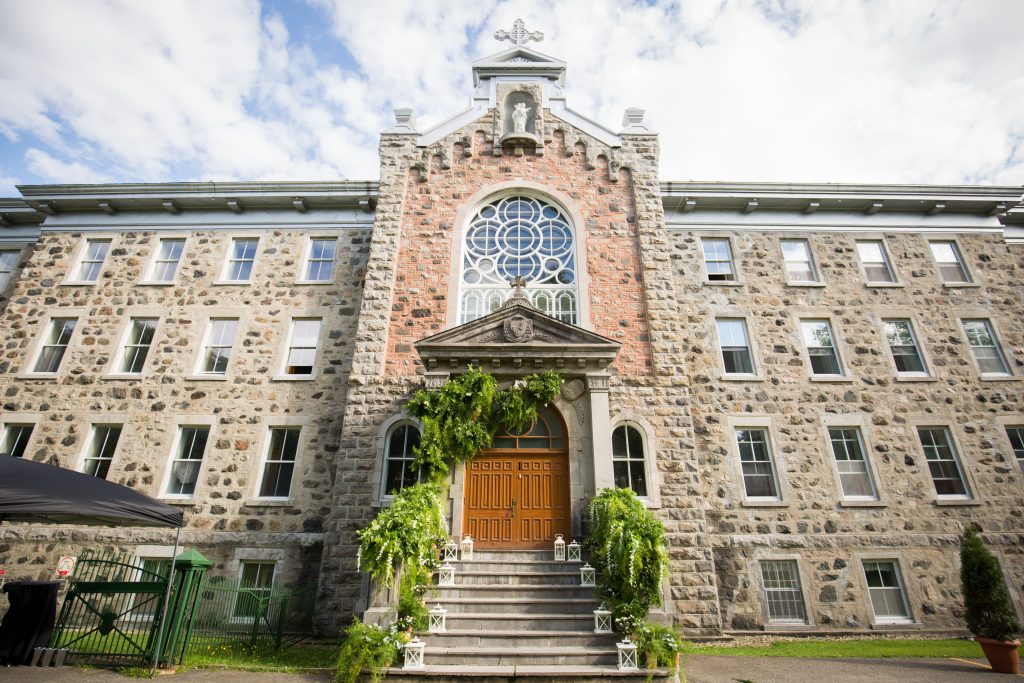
(520, 115)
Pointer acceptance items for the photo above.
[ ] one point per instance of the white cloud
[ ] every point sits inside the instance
(44, 165)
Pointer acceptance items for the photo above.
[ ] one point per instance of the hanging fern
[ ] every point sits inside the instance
(519, 404)
(409, 532)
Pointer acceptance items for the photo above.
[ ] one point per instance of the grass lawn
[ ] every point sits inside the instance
(870, 649)
(301, 657)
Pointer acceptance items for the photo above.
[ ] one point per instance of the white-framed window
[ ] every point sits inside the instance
(100, 451)
(220, 338)
(799, 263)
(718, 261)
(851, 462)
(302, 344)
(821, 347)
(137, 345)
(90, 265)
(875, 261)
(187, 461)
(737, 357)
(255, 583)
(906, 353)
(519, 236)
(241, 259)
(943, 462)
(321, 258)
(165, 262)
(55, 345)
(398, 458)
(950, 261)
(629, 464)
(279, 466)
(15, 439)
(886, 591)
(784, 595)
(1015, 433)
(985, 347)
(8, 262)
(757, 464)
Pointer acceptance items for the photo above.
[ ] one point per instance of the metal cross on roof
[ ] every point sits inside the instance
(519, 36)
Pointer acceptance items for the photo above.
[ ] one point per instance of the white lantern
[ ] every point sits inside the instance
(447, 577)
(414, 654)
(574, 551)
(587, 575)
(627, 655)
(438, 617)
(602, 619)
(451, 552)
(559, 548)
(467, 547)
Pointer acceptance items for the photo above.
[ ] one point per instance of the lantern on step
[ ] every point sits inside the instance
(602, 619)
(414, 654)
(627, 655)
(451, 551)
(467, 547)
(588, 575)
(574, 551)
(438, 618)
(559, 548)
(447, 575)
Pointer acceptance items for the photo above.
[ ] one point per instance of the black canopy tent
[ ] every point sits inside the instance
(38, 493)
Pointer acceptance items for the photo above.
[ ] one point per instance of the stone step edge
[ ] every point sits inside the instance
(521, 601)
(518, 616)
(517, 670)
(469, 572)
(531, 651)
(511, 633)
(508, 586)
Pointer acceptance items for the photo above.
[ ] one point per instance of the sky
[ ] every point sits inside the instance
(877, 91)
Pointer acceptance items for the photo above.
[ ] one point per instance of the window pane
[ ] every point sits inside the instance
(55, 344)
(821, 350)
(797, 256)
(784, 596)
(140, 338)
(188, 460)
(854, 475)
(92, 260)
(399, 457)
(8, 262)
(302, 351)
(903, 345)
(736, 356)
(628, 464)
(101, 450)
(1016, 436)
(950, 263)
(876, 265)
(280, 465)
(219, 340)
(756, 463)
(167, 257)
(321, 259)
(943, 463)
(983, 344)
(886, 590)
(16, 440)
(718, 259)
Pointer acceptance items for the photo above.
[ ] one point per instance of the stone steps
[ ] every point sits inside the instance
(512, 591)
(488, 621)
(549, 673)
(521, 638)
(504, 655)
(547, 579)
(497, 605)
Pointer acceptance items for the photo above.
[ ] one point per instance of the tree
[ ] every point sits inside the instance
(989, 612)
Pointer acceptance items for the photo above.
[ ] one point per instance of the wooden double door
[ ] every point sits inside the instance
(517, 499)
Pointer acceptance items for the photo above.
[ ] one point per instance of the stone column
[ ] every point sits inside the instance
(601, 431)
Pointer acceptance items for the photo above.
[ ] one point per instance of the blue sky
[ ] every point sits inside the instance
(904, 91)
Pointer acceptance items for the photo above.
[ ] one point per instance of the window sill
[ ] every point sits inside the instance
(314, 282)
(294, 378)
(834, 379)
(206, 378)
(895, 625)
(741, 378)
(154, 283)
(884, 285)
(806, 284)
(79, 283)
(38, 375)
(784, 626)
(236, 283)
(764, 503)
(956, 502)
(919, 378)
(961, 285)
(863, 504)
(270, 502)
(177, 501)
(121, 377)
(724, 283)
(999, 378)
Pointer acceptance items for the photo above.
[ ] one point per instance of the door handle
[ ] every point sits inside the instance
(513, 507)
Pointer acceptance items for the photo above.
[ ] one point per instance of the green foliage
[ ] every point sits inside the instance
(519, 404)
(846, 648)
(662, 643)
(628, 549)
(366, 647)
(987, 607)
(412, 611)
(406, 533)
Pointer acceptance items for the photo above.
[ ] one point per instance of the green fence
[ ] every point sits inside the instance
(232, 616)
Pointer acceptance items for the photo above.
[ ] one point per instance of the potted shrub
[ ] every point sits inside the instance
(988, 610)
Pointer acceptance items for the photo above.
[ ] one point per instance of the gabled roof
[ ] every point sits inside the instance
(517, 61)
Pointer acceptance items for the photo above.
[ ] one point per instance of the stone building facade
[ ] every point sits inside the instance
(814, 386)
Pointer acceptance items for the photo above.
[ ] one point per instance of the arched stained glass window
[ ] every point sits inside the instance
(519, 236)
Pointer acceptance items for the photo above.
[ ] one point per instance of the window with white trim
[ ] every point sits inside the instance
(759, 477)
(241, 258)
(101, 449)
(90, 265)
(950, 261)
(943, 462)
(629, 465)
(821, 347)
(796, 254)
(255, 583)
(320, 261)
(906, 354)
(8, 262)
(137, 345)
(168, 256)
(55, 345)
(783, 594)
(15, 439)
(718, 259)
(985, 347)
(279, 466)
(1016, 436)
(187, 461)
(519, 236)
(220, 338)
(877, 267)
(302, 343)
(885, 588)
(398, 459)
(734, 344)
(854, 473)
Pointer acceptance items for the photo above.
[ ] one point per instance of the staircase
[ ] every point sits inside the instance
(519, 616)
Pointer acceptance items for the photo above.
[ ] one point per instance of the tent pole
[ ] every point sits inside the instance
(167, 600)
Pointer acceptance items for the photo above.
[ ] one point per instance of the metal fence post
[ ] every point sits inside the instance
(189, 569)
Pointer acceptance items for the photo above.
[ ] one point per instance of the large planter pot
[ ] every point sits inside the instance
(1001, 654)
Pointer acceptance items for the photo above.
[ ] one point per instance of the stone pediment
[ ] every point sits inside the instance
(517, 338)
(519, 61)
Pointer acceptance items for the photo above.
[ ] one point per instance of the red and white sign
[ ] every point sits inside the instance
(66, 565)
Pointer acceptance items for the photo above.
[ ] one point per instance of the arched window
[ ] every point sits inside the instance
(628, 460)
(519, 236)
(398, 457)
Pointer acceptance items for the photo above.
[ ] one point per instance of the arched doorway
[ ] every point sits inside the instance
(517, 493)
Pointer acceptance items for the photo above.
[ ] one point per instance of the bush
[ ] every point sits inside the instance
(367, 647)
(988, 610)
(412, 611)
(627, 547)
(662, 643)
(407, 533)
